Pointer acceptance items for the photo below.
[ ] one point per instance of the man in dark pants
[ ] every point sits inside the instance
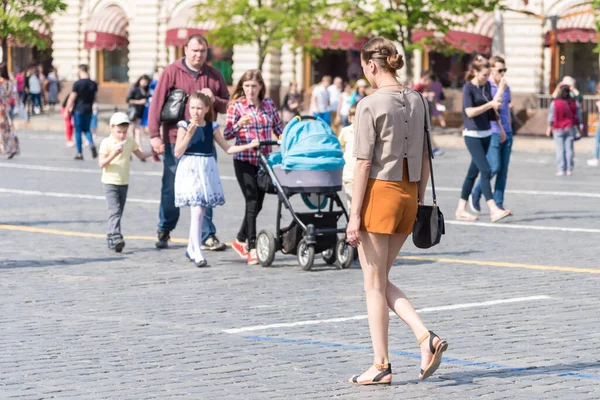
(80, 105)
(190, 74)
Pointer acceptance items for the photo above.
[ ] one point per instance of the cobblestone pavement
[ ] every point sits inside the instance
(517, 301)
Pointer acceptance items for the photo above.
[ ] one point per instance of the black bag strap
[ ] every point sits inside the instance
(429, 150)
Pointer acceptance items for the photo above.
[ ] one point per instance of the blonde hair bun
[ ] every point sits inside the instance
(396, 61)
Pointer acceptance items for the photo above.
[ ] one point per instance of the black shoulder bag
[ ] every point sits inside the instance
(174, 108)
(429, 226)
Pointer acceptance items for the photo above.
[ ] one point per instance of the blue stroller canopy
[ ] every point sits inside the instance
(309, 144)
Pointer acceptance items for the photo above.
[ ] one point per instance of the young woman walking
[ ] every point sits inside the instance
(479, 108)
(390, 178)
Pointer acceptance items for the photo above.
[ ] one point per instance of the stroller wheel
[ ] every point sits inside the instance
(345, 254)
(266, 246)
(306, 255)
(329, 256)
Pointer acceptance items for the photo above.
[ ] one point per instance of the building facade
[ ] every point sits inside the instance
(121, 40)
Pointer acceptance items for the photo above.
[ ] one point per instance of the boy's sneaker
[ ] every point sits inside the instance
(163, 239)
(111, 244)
(240, 248)
(119, 244)
(252, 257)
(213, 244)
(593, 162)
(475, 208)
(438, 152)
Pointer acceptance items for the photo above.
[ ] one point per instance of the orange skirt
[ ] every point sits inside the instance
(390, 207)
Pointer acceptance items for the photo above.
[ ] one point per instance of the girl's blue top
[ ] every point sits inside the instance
(202, 142)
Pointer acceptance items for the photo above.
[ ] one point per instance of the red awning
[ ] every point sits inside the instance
(339, 40)
(337, 37)
(107, 30)
(471, 38)
(182, 26)
(577, 26)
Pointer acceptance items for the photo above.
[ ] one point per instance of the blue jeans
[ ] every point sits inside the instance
(82, 124)
(597, 143)
(498, 156)
(168, 213)
(565, 154)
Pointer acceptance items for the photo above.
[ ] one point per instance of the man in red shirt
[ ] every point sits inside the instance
(190, 74)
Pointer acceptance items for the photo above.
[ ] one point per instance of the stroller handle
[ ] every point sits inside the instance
(305, 117)
(270, 143)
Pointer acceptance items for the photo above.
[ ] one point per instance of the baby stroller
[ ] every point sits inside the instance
(310, 164)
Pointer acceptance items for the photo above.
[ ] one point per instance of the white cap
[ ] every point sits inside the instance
(119, 118)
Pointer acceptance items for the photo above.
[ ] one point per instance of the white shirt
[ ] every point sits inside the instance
(35, 85)
(346, 139)
(321, 96)
(334, 97)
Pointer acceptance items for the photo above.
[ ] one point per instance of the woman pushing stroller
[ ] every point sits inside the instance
(250, 116)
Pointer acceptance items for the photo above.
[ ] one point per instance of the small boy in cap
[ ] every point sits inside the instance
(115, 160)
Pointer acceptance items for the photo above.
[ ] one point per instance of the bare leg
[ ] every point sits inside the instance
(399, 303)
(373, 256)
(137, 131)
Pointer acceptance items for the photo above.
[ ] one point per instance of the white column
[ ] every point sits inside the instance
(67, 40)
(524, 43)
(244, 58)
(143, 38)
(288, 65)
(547, 69)
(498, 40)
(417, 66)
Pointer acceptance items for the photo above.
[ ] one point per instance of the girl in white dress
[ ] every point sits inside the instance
(197, 182)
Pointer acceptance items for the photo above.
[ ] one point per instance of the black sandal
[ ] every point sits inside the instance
(436, 351)
(385, 369)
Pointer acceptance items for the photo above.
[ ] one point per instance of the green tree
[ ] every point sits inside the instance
(20, 21)
(268, 24)
(397, 20)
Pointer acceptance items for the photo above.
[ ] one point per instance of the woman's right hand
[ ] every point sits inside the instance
(353, 231)
(245, 120)
(496, 104)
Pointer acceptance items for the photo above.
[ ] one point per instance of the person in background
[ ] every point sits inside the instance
(20, 79)
(190, 74)
(138, 99)
(9, 142)
(292, 103)
(335, 91)
(319, 100)
(595, 161)
(498, 154)
(346, 138)
(361, 91)
(479, 108)
(44, 82)
(80, 104)
(53, 85)
(157, 73)
(34, 86)
(564, 118)
(68, 121)
(431, 94)
(344, 106)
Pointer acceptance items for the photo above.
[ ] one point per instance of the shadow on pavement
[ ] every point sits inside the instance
(566, 370)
